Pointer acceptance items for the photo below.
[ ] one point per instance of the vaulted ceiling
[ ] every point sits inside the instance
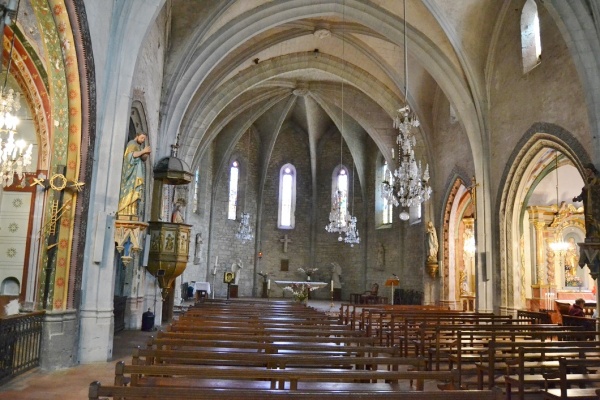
(321, 65)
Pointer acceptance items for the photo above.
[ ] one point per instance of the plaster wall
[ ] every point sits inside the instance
(551, 92)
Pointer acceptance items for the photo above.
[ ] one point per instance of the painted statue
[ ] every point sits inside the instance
(132, 176)
(432, 243)
(336, 275)
(591, 206)
(236, 268)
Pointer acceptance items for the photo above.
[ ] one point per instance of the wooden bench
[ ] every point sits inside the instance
(538, 317)
(270, 348)
(183, 357)
(564, 376)
(547, 355)
(194, 376)
(472, 344)
(98, 391)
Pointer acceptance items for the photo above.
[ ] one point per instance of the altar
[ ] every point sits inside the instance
(201, 289)
(308, 284)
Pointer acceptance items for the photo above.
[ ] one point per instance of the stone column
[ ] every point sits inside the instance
(539, 252)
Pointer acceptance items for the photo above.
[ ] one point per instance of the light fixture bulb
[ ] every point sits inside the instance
(404, 216)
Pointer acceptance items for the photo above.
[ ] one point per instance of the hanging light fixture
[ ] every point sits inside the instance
(244, 232)
(409, 185)
(352, 236)
(15, 154)
(339, 218)
(558, 246)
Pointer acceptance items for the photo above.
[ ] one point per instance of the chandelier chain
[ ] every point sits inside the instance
(409, 184)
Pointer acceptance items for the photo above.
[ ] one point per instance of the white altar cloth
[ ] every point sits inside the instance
(202, 286)
(317, 285)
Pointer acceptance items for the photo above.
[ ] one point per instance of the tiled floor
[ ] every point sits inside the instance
(73, 383)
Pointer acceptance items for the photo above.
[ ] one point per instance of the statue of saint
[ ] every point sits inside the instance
(336, 275)
(132, 176)
(177, 217)
(589, 193)
(432, 243)
(236, 268)
(199, 242)
(571, 258)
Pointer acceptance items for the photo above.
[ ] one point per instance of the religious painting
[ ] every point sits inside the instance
(285, 265)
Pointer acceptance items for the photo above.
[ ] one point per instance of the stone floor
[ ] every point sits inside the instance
(73, 383)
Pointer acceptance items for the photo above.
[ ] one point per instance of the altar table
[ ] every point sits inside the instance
(202, 287)
(312, 284)
(317, 285)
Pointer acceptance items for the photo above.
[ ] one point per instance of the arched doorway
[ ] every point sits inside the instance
(459, 247)
(538, 212)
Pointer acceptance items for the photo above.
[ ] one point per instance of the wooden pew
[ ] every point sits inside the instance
(270, 348)
(538, 317)
(267, 337)
(566, 391)
(98, 391)
(194, 376)
(546, 355)
(471, 343)
(185, 357)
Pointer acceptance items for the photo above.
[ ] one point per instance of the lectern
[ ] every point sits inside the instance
(391, 283)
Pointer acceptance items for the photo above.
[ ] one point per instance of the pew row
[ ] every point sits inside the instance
(98, 391)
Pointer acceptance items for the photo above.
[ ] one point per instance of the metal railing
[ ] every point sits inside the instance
(20, 344)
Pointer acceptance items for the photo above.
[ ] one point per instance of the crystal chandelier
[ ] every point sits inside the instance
(244, 232)
(352, 236)
(339, 218)
(409, 185)
(14, 153)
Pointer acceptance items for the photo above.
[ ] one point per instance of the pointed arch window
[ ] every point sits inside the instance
(287, 197)
(234, 177)
(531, 43)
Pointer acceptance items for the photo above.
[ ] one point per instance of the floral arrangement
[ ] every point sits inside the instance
(265, 275)
(300, 290)
(573, 280)
(308, 271)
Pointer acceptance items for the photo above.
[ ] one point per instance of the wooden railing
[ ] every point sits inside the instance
(20, 344)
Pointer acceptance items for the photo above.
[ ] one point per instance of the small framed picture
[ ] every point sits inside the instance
(228, 277)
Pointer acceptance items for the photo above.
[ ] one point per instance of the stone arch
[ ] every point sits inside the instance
(374, 18)
(456, 188)
(254, 76)
(539, 136)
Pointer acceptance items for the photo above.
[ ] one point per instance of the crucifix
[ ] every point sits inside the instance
(59, 183)
(285, 240)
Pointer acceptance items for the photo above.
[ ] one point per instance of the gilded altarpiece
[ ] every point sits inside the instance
(553, 269)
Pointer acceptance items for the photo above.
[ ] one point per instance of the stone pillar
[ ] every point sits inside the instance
(539, 252)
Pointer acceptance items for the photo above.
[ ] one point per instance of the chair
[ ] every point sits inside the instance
(370, 296)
